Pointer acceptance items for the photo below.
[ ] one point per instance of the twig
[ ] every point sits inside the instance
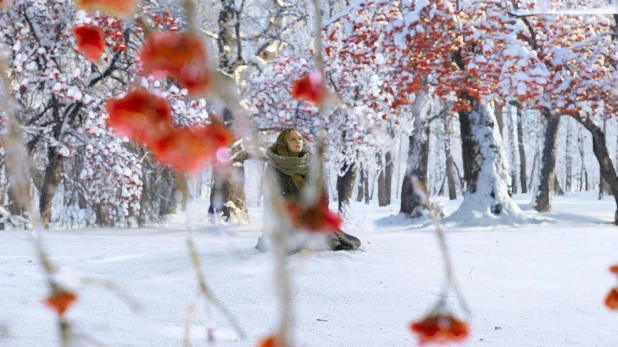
(280, 237)
(186, 341)
(115, 288)
(17, 164)
(190, 12)
(448, 267)
(205, 290)
(612, 8)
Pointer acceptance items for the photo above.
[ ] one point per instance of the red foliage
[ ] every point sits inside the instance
(188, 149)
(119, 8)
(143, 117)
(310, 88)
(268, 341)
(147, 120)
(440, 328)
(611, 301)
(60, 302)
(316, 218)
(114, 34)
(182, 56)
(90, 41)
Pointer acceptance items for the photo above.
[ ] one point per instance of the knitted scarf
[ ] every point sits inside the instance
(295, 167)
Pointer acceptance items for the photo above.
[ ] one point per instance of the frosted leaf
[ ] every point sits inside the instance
(521, 88)
(64, 151)
(522, 76)
(57, 87)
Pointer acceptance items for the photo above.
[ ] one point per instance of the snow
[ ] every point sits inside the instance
(533, 285)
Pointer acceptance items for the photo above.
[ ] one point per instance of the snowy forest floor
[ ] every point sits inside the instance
(533, 285)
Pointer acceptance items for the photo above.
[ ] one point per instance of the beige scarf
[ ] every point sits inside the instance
(295, 167)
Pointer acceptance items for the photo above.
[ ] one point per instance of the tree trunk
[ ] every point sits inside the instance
(500, 120)
(616, 142)
(568, 154)
(522, 151)
(102, 217)
(367, 196)
(583, 175)
(450, 166)
(442, 186)
(3, 188)
(557, 189)
(398, 169)
(3, 183)
(53, 176)
(181, 188)
(228, 193)
(599, 148)
(418, 158)
(385, 180)
(601, 180)
(373, 186)
(485, 167)
(510, 125)
(361, 184)
(548, 163)
(13, 202)
(535, 160)
(345, 185)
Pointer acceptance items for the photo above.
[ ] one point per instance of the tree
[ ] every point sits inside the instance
(61, 105)
(58, 89)
(228, 192)
(568, 45)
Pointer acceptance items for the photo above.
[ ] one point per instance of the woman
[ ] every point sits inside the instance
(289, 163)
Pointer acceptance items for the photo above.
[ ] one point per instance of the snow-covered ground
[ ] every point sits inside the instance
(537, 285)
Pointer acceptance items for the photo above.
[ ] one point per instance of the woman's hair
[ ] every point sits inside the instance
(281, 147)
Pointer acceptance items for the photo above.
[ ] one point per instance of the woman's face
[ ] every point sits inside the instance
(294, 141)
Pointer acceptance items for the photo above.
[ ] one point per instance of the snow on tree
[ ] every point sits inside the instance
(580, 58)
(60, 94)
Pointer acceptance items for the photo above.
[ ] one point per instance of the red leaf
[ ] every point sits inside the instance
(316, 218)
(440, 329)
(310, 88)
(182, 56)
(189, 149)
(90, 41)
(119, 8)
(60, 302)
(268, 341)
(611, 301)
(614, 269)
(143, 117)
